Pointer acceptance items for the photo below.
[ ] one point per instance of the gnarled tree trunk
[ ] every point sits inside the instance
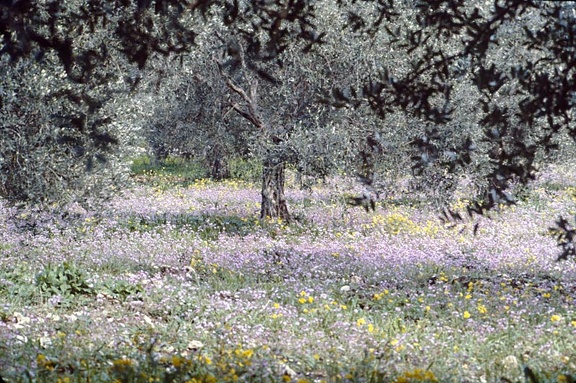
(273, 200)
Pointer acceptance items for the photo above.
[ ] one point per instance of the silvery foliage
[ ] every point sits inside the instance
(454, 81)
(65, 140)
(92, 42)
(195, 116)
(191, 116)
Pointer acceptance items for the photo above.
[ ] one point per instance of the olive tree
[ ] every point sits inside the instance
(191, 116)
(280, 101)
(489, 83)
(263, 108)
(92, 54)
(59, 126)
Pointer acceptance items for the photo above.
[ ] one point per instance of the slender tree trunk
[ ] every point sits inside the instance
(273, 200)
(219, 169)
(217, 162)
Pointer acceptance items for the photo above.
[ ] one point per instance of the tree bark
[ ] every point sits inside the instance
(218, 165)
(219, 170)
(273, 200)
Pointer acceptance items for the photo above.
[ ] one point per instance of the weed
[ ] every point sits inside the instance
(64, 279)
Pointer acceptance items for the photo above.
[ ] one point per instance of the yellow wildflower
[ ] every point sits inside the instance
(177, 361)
(417, 375)
(45, 362)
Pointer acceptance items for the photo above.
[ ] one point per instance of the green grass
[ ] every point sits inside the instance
(169, 172)
(177, 171)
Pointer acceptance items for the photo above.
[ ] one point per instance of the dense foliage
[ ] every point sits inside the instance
(482, 90)
(506, 69)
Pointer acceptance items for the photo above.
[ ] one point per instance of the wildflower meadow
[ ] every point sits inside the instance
(182, 282)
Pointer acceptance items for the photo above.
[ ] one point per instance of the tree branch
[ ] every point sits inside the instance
(250, 111)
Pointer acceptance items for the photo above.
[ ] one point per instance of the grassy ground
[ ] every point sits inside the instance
(185, 284)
